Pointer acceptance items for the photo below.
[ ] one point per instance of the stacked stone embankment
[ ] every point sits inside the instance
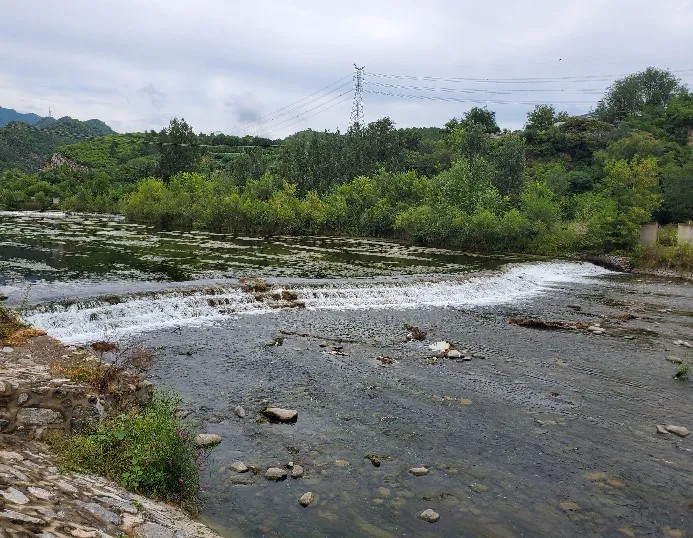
(36, 499)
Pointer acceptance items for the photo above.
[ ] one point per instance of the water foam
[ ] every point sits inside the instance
(100, 318)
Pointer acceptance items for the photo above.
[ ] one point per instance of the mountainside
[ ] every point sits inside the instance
(28, 146)
(9, 114)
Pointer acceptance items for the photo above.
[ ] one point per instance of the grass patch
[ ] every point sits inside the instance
(12, 330)
(676, 257)
(147, 450)
(683, 371)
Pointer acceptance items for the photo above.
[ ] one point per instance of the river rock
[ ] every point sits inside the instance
(454, 354)
(297, 471)
(683, 343)
(675, 360)
(441, 347)
(204, 440)
(275, 473)
(239, 467)
(14, 496)
(429, 515)
(678, 430)
(240, 412)
(661, 429)
(306, 499)
(418, 471)
(281, 415)
(342, 463)
(7, 349)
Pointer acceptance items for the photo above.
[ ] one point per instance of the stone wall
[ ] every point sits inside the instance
(35, 401)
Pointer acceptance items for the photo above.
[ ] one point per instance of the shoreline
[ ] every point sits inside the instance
(37, 496)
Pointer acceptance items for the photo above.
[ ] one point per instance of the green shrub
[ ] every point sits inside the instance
(148, 450)
(679, 258)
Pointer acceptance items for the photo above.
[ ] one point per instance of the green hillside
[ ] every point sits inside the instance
(27, 146)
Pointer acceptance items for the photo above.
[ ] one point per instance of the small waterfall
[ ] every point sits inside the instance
(111, 317)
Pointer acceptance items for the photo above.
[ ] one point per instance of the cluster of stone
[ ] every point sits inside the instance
(37, 500)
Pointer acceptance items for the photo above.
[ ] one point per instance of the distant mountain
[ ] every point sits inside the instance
(9, 114)
(28, 146)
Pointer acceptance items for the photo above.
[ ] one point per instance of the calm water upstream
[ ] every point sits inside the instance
(507, 436)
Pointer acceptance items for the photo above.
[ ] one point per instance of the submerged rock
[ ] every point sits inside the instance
(429, 515)
(280, 415)
(240, 412)
(297, 471)
(418, 471)
(678, 430)
(306, 499)
(441, 347)
(239, 467)
(204, 440)
(275, 473)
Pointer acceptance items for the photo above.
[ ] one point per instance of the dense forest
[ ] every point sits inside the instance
(560, 185)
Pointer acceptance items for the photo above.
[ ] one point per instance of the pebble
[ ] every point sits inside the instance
(678, 430)
(239, 467)
(282, 415)
(418, 471)
(240, 412)
(297, 471)
(204, 440)
(569, 506)
(429, 515)
(275, 473)
(306, 499)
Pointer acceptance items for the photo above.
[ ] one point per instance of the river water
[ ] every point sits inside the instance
(507, 436)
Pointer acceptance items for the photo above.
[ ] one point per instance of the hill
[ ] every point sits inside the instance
(9, 114)
(27, 146)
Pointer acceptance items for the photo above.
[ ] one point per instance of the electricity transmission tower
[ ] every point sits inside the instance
(356, 120)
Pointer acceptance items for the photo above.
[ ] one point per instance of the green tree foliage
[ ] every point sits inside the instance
(650, 88)
(180, 149)
(564, 184)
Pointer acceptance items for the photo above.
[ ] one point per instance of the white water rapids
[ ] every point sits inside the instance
(101, 318)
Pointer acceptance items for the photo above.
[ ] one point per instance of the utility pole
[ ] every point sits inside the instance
(357, 107)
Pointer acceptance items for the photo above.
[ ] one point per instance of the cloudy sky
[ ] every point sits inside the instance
(274, 67)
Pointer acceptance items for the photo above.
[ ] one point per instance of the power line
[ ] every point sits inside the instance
(481, 101)
(291, 104)
(520, 80)
(508, 91)
(284, 125)
(295, 108)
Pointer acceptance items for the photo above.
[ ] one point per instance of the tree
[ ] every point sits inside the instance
(509, 160)
(180, 150)
(632, 94)
(483, 117)
(543, 117)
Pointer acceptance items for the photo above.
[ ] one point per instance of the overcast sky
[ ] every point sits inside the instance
(220, 64)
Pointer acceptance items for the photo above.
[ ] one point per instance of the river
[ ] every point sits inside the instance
(534, 421)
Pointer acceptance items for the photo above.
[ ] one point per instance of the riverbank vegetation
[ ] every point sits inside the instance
(560, 185)
(148, 450)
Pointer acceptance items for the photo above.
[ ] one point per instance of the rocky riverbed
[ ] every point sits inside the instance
(527, 432)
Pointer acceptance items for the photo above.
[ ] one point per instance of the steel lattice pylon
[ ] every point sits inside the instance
(356, 120)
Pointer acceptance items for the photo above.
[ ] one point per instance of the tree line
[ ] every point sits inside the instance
(562, 184)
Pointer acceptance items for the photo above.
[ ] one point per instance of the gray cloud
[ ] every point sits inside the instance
(154, 94)
(224, 64)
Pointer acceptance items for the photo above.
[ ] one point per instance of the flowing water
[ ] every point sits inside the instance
(507, 436)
